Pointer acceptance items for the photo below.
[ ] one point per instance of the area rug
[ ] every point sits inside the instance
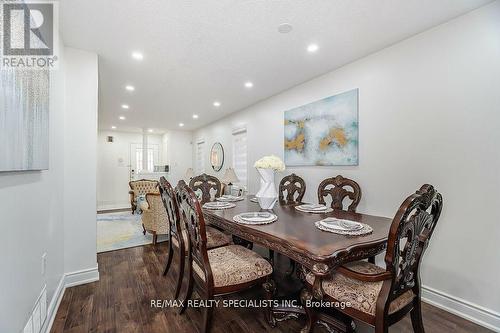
(120, 231)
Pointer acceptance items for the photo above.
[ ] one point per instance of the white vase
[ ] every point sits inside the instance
(267, 194)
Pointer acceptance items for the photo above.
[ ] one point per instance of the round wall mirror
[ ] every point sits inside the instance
(217, 156)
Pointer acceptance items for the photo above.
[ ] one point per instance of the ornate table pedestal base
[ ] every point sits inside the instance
(330, 323)
(290, 308)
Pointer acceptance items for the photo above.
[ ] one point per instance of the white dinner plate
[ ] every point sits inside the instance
(218, 204)
(315, 207)
(257, 216)
(314, 211)
(229, 198)
(339, 224)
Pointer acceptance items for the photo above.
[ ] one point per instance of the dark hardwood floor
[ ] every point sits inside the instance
(129, 279)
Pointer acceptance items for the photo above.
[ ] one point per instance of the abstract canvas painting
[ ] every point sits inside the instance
(324, 132)
(24, 120)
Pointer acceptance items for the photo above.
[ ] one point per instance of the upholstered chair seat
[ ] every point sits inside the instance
(215, 238)
(361, 294)
(234, 265)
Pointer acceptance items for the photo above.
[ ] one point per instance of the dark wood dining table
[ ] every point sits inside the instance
(295, 235)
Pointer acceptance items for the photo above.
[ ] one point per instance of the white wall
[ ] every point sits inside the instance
(113, 176)
(52, 211)
(429, 113)
(179, 154)
(80, 142)
(32, 224)
(113, 171)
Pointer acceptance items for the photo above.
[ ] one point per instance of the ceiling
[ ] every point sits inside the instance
(197, 52)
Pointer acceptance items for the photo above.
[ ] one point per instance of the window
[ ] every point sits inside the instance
(240, 156)
(151, 166)
(200, 157)
(139, 160)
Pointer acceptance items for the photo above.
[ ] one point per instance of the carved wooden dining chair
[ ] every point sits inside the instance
(178, 236)
(340, 188)
(219, 271)
(295, 188)
(206, 184)
(382, 296)
(291, 191)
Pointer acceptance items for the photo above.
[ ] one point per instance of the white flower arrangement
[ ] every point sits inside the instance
(270, 162)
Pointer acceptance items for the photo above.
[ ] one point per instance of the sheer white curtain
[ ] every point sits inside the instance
(200, 157)
(240, 157)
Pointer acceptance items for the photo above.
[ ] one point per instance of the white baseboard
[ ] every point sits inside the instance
(81, 277)
(462, 308)
(111, 206)
(67, 280)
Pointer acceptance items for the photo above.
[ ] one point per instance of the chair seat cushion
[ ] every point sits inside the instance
(215, 238)
(362, 295)
(233, 265)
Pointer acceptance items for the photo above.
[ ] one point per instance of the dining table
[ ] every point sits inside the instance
(295, 235)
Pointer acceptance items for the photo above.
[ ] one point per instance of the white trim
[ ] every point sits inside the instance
(70, 279)
(111, 206)
(81, 277)
(53, 306)
(462, 308)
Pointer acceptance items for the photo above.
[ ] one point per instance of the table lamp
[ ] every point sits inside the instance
(189, 174)
(229, 178)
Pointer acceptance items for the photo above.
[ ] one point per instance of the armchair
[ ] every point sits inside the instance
(154, 218)
(141, 187)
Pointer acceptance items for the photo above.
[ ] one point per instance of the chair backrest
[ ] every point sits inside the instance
(293, 185)
(205, 183)
(339, 188)
(409, 236)
(169, 199)
(154, 201)
(143, 186)
(192, 215)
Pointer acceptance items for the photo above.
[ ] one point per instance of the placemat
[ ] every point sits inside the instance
(365, 231)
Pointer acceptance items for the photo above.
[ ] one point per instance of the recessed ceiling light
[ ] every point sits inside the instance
(130, 88)
(113, 127)
(195, 116)
(122, 118)
(216, 104)
(150, 130)
(311, 48)
(181, 124)
(137, 55)
(248, 84)
(285, 28)
(125, 106)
